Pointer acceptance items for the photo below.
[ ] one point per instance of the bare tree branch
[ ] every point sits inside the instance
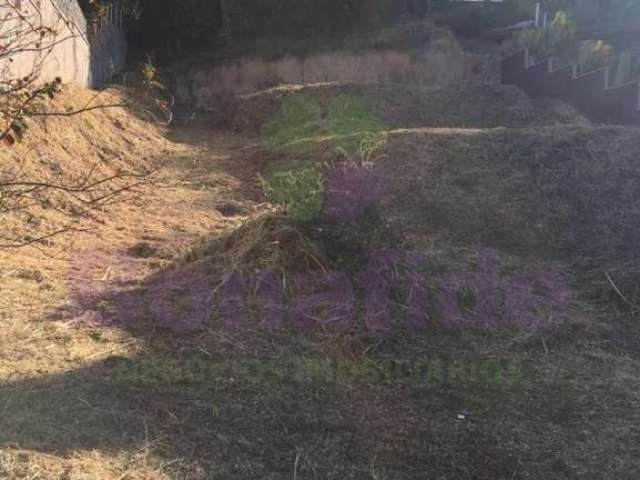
(27, 39)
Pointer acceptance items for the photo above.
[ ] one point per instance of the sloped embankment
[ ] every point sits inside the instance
(74, 152)
(484, 165)
(468, 190)
(204, 387)
(398, 106)
(566, 193)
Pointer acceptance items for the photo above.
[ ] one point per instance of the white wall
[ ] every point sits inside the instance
(64, 53)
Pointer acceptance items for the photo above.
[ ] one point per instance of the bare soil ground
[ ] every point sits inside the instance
(81, 400)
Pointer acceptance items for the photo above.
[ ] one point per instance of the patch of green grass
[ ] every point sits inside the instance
(300, 117)
(298, 128)
(302, 123)
(297, 186)
(351, 122)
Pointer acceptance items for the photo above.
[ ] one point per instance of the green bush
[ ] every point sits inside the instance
(302, 122)
(300, 118)
(297, 186)
(557, 39)
(593, 54)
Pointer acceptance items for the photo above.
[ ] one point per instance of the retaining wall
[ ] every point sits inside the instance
(443, 62)
(108, 45)
(591, 92)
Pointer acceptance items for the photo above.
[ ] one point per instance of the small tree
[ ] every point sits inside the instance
(557, 39)
(27, 40)
(593, 54)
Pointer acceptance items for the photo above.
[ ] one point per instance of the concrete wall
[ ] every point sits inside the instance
(443, 62)
(64, 54)
(85, 55)
(587, 93)
(619, 103)
(591, 93)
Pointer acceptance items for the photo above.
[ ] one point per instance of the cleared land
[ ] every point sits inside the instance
(91, 396)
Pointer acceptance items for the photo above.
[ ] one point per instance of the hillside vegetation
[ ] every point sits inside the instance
(481, 165)
(354, 282)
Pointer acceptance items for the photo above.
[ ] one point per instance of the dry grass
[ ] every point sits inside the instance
(265, 242)
(398, 106)
(66, 414)
(177, 205)
(561, 193)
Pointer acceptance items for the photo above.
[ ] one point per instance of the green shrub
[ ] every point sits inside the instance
(299, 118)
(593, 54)
(297, 186)
(302, 122)
(558, 38)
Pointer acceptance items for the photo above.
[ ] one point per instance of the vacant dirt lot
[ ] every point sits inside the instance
(84, 395)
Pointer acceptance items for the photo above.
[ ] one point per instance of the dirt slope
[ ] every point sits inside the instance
(112, 390)
(174, 205)
(481, 106)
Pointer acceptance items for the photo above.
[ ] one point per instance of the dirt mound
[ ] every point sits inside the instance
(567, 193)
(73, 155)
(265, 242)
(228, 400)
(481, 106)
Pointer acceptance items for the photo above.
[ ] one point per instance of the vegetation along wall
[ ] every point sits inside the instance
(442, 62)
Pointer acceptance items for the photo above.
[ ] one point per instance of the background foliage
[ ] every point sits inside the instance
(181, 27)
(178, 27)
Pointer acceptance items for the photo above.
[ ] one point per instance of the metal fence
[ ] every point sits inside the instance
(108, 44)
(106, 37)
(594, 92)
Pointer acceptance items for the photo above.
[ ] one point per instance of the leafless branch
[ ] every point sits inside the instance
(24, 34)
(32, 241)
